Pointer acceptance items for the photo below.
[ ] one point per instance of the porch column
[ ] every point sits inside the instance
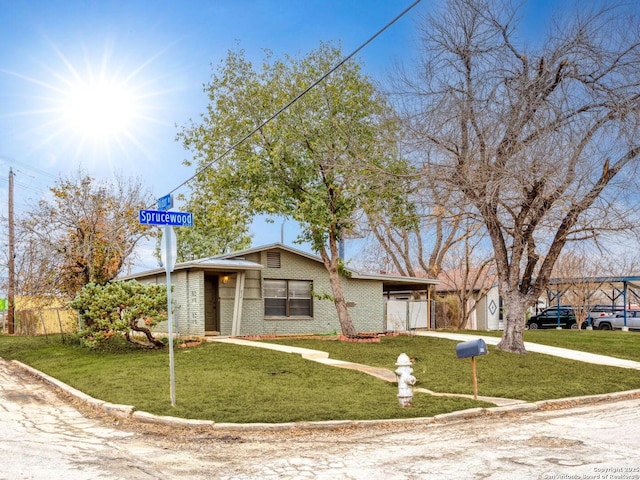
(237, 304)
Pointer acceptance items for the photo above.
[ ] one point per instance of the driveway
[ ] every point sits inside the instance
(45, 436)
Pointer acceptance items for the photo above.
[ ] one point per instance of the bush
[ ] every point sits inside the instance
(120, 308)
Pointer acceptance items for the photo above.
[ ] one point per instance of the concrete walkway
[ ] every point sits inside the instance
(314, 355)
(389, 376)
(546, 349)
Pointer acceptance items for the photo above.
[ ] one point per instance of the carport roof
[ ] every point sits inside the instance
(632, 280)
(391, 283)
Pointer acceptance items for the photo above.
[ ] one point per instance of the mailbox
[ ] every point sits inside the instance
(471, 349)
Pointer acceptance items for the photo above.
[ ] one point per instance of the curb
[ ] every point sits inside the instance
(128, 411)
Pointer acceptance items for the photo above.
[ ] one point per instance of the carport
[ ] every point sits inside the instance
(418, 302)
(620, 292)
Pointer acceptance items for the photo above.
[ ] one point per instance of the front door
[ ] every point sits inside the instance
(211, 315)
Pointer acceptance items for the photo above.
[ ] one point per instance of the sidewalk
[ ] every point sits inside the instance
(314, 355)
(546, 349)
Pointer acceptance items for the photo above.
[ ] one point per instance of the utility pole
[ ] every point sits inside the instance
(11, 293)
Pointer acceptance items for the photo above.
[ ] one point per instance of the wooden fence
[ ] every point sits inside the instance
(42, 321)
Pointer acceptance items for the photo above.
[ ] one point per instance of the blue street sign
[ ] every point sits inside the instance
(165, 203)
(175, 219)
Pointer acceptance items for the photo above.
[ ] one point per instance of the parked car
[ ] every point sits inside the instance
(617, 321)
(604, 311)
(553, 317)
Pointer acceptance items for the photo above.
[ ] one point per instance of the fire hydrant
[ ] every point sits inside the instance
(405, 380)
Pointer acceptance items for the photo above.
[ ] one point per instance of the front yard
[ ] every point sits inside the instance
(228, 383)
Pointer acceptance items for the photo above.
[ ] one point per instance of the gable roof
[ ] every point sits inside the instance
(281, 246)
(233, 261)
(393, 282)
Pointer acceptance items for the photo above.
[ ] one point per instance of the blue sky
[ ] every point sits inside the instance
(158, 54)
(153, 58)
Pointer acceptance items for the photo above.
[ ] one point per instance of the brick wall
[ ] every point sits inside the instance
(367, 311)
(364, 297)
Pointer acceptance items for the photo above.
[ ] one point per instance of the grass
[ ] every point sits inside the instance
(224, 383)
(228, 383)
(530, 377)
(614, 343)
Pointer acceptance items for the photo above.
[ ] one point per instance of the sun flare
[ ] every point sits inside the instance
(99, 109)
(97, 106)
(106, 107)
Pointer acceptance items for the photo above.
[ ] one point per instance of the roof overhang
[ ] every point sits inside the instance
(206, 264)
(630, 280)
(391, 283)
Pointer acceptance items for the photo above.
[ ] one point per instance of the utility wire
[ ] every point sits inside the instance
(296, 98)
(25, 166)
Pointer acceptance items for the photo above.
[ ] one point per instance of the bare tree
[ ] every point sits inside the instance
(584, 278)
(533, 137)
(90, 232)
(469, 274)
(415, 228)
(580, 279)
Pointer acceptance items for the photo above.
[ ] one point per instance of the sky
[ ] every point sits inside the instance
(141, 64)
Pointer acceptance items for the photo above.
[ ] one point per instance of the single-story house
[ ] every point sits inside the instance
(272, 290)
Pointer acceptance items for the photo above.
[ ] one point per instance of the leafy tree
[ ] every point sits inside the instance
(535, 136)
(90, 232)
(120, 308)
(315, 163)
(220, 227)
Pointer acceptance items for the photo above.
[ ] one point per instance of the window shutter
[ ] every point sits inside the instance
(273, 259)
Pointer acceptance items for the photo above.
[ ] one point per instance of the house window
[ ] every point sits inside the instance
(287, 298)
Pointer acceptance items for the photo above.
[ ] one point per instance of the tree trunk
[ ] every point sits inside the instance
(513, 334)
(135, 327)
(331, 263)
(348, 330)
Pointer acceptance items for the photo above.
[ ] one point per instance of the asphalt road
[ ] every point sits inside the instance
(45, 436)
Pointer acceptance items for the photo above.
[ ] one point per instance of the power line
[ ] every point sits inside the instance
(296, 98)
(31, 168)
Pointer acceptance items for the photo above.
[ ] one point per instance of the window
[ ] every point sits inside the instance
(287, 298)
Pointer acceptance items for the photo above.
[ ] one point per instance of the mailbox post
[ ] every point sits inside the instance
(471, 350)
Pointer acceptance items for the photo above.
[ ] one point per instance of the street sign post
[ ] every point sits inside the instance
(169, 253)
(158, 217)
(165, 203)
(169, 248)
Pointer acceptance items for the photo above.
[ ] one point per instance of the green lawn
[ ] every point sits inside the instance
(228, 383)
(615, 343)
(529, 377)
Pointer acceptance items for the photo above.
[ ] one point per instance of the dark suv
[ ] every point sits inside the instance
(553, 317)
